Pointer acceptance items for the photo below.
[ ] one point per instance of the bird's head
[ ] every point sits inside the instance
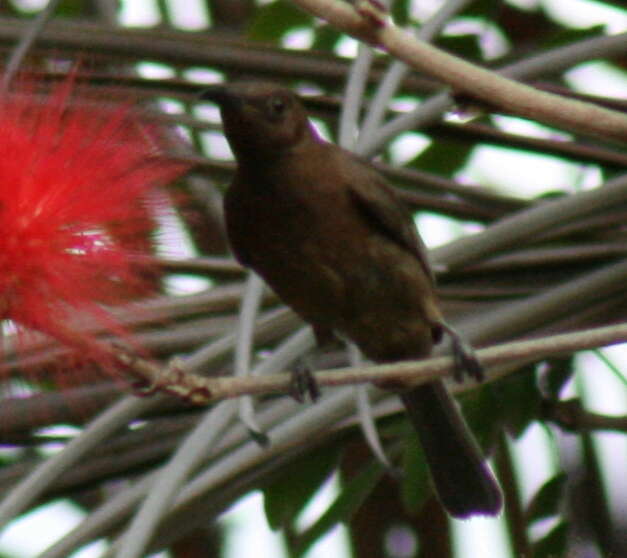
(261, 120)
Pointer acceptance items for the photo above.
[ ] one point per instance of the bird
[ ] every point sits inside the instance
(333, 239)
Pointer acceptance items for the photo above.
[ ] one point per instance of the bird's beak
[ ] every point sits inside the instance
(222, 95)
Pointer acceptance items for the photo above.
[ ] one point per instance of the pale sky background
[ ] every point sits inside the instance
(247, 531)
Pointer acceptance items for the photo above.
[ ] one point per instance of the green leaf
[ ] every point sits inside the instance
(519, 399)
(399, 10)
(348, 501)
(546, 501)
(479, 8)
(613, 367)
(275, 19)
(70, 8)
(465, 46)
(482, 410)
(285, 498)
(569, 35)
(443, 156)
(553, 544)
(65, 8)
(326, 37)
(415, 486)
(522, 26)
(620, 4)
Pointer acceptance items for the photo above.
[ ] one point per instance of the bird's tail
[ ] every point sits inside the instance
(463, 481)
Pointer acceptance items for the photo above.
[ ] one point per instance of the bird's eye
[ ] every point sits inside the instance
(276, 106)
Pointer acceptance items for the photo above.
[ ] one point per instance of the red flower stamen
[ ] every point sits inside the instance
(75, 187)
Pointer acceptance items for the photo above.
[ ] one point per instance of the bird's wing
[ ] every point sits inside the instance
(383, 209)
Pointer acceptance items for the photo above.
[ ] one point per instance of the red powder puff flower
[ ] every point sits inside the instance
(76, 177)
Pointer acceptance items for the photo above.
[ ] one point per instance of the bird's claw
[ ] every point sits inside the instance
(466, 362)
(304, 383)
(465, 359)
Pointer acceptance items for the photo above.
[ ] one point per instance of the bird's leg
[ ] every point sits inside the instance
(466, 361)
(303, 381)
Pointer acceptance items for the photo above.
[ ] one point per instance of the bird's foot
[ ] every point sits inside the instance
(304, 383)
(466, 361)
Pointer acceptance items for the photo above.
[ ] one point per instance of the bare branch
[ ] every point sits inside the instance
(370, 25)
(570, 415)
(200, 390)
(26, 41)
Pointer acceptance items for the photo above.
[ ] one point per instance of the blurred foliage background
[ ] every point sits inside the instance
(555, 429)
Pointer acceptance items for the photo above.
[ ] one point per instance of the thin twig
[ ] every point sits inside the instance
(483, 133)
(182, 464)
(30, 487)
(571, 416)
(398, 70)
(550, 256)
(367, 23)
(26, 42)
(549, 62)
(514, 518)
(299, 424)
(529, 223)
(201, 390)
(353, 97)
(203, 265)
(244, 343)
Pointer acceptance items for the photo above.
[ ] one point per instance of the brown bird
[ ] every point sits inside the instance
(334, 241)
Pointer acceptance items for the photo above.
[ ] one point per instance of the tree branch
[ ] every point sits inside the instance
(571, 415)
(201, 391)
(27, 40)
(367, 23)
